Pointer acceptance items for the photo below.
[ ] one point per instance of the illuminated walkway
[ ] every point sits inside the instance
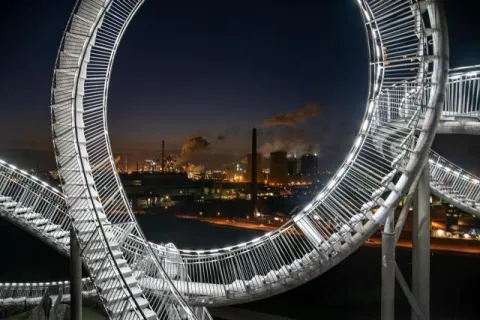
(408, 64)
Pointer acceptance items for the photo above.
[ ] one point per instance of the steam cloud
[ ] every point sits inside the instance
(192, 145)
(293, 118)
(292, 141)
(290, 147)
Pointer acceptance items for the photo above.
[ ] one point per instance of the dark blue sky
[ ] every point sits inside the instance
(216, 68)
(225, 68)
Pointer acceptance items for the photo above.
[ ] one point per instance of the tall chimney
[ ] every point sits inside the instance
(254, 170)
(137, 166)
(163, 156)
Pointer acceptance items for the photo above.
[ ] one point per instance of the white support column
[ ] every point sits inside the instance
(388, 269)
(421, 245)
(75, 277)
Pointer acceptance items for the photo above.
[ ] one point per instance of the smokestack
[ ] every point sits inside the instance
(163, 156)
(254, 170)
(137, 166)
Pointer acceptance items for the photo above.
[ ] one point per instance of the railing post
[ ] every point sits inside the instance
(421, 245)
(75, 277)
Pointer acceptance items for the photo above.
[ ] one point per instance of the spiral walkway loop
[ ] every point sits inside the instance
(408, 48)
(408, 51)
(80, 80)
(404, 50)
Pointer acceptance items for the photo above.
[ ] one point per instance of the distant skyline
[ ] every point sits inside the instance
(213, 70)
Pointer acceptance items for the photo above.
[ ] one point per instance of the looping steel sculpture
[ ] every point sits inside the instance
(408, 50)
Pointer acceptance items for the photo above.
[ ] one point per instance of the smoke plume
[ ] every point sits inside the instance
(293, 118)
(293, 141)
(192, 145)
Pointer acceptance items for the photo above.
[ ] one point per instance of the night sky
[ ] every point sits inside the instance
(214, 70)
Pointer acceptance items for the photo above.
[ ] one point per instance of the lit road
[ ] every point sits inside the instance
(240, 224)
(436, 244)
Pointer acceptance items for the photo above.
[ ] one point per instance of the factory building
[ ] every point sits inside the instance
(278, 167)
(292, 165)
(309, 164)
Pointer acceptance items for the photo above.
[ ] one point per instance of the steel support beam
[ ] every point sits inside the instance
(421, 245)
(406, 290)
(388, 269)
(75, 278)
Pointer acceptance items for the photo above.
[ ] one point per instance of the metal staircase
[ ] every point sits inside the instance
(73, 103)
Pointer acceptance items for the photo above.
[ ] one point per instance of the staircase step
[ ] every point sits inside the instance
(61, 233)
(100, 256)
(100, 247)
(21, 210)
(51, 227)
(118, 308)
(30, 216)
(149, 313)
(131, 281)
(95, 266)
(109, 273)
(85, 227)
(39, 222)
(88, 218)
(98, 240)
(8, 204)
(115, 295)
(64, 240)
(113, 284)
